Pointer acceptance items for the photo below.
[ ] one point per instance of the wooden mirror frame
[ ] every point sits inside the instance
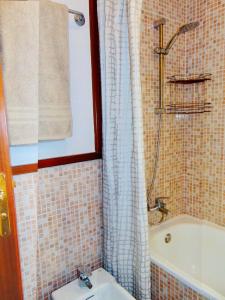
(96, 92)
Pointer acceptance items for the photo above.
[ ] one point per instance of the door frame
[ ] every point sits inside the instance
(10, 258)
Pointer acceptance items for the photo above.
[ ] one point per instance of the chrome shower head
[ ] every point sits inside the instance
(183, 29)
(187, 27)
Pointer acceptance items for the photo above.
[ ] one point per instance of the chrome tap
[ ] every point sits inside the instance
(83, 278)
(160, 205)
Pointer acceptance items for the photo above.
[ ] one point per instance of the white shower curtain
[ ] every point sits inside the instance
(126, 251)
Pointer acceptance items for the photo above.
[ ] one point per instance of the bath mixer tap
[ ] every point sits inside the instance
(160, 205)
(84, 280)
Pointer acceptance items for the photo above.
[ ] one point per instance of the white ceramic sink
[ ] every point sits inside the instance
(104, 287)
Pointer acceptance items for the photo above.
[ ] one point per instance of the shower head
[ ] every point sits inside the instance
(183, 29)
(187, 27)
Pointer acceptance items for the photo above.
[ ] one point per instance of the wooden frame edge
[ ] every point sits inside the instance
(53, 162)
(24, 169)
(97, 111)
(64, 160)
(11, 242)
(96, 75)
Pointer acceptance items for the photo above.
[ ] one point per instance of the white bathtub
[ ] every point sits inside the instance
(195, 255)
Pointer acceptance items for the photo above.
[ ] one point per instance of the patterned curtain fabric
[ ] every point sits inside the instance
(126, 251)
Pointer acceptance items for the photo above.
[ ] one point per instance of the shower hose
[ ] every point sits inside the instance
(155, 166)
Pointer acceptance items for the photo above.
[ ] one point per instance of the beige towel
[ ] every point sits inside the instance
(54, 107)
(34, 37)
(20, 54)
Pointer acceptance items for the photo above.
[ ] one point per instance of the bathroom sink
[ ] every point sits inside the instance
(104, 287)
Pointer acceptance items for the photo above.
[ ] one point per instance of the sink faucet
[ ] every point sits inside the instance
(83, 278)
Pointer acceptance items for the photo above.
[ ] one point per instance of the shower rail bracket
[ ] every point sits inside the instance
(159, 110)
(162, 51)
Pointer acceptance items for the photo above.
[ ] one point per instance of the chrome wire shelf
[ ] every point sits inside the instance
(189, 79)
(192, 99)
(188, 108)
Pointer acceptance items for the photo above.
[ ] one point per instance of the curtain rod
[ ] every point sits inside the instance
(79, 18)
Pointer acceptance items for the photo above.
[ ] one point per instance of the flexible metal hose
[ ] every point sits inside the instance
(156, 160)
(155, 168)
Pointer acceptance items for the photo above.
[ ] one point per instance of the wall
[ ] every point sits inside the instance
(59, 216)
(26, 192)
(192, 153)
(204, 136)
(166, 287)
(170, 175)
(59, 210)
(80, 94)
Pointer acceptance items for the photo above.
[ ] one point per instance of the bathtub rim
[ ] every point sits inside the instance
(170, 268)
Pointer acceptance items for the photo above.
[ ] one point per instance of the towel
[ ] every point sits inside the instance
(20, 55)
(55, 120)
(35, 52)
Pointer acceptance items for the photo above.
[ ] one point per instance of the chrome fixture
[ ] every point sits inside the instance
(83, 278)
(183, 29)
(161, 51)
(79, 18)
(160, 206)
(168, 238)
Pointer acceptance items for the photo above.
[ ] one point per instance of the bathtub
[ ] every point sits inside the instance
(194, 253)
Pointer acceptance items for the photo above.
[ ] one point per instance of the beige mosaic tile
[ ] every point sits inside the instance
(26, 211)
(192, 152)
(69, 223)
(59, 216)
(204, 137)
(170, 175)
(167, 287)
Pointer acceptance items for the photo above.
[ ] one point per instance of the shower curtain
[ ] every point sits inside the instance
(126, 251)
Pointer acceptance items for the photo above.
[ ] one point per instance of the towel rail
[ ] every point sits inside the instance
(79, 18)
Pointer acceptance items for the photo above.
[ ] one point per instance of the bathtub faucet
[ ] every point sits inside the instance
(160, 205)
(83, 277)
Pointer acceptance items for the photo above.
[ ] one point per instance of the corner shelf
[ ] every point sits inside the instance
(190, 79)
(194, 106)
(188, 108)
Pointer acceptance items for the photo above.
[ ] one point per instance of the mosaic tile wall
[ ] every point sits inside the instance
(62, 229)
(170, 175)
(26, 210)
(192, 153)
(204, 136)
(167, 287)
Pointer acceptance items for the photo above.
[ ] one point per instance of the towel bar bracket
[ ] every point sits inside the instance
(79, 18)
